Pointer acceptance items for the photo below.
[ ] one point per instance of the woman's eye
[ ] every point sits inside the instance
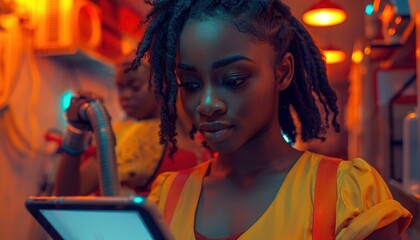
(189, 86)
(236, 81)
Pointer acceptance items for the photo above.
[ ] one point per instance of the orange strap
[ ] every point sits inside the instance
(174, 193)
(323, 226)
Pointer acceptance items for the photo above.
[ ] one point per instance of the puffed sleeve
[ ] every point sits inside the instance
(364, 202)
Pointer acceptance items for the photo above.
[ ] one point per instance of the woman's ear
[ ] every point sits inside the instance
(284, 71)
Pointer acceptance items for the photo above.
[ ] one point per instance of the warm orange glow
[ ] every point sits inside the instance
(324, 17)
(391, 31)
(417, 20)
(367, 50)
(26, 10)
(323, 14)
(357, 56)
(376, 6)
(387, 13)
(7, 7)
(24, 3)
(398, 20)
(128, 44)
(54, 21)
(88, 25)
(333, 55)
(411, 115)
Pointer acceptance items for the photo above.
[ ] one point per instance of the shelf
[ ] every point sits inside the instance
(412, 203)
(89, 60)
(399, 187)
(396, 54)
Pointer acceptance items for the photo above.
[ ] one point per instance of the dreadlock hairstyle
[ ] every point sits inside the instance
(265, 21)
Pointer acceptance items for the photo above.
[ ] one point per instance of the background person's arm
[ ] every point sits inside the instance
(75, 178)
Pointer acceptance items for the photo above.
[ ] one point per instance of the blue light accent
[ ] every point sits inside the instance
(369, 9)
(138, 200)
(288, 140)
(65, 100)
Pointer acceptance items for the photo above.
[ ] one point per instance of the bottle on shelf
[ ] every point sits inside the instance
(411, 166)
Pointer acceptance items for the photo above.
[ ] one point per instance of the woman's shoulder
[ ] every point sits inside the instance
(357, 173)
(356, 167)
(196, 170)
(164, 181)
(354, 175)
(364, 201)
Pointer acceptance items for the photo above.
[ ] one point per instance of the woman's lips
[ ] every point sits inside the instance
(129, 106)
(215, 131)
(129, 109)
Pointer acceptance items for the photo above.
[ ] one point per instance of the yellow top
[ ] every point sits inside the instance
(364, 202)
(137, 150)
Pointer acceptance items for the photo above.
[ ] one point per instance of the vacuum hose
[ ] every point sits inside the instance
(95, 113)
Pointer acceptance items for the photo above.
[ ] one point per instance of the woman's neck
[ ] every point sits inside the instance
(268, 152)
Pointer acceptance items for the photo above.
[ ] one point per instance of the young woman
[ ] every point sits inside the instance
(248, 72)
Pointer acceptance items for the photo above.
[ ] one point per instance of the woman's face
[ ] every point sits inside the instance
(134, 95)
(228, 85)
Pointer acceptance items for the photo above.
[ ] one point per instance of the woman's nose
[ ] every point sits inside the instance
(126, 93)
(211, 104)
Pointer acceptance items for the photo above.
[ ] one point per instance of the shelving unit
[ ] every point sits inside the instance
(399, 53)
(395, 142)
(91, 61)
(379, 136)
(410, 202)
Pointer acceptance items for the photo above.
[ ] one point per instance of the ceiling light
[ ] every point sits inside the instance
(333, 55)
(357, 56)
(324, 13)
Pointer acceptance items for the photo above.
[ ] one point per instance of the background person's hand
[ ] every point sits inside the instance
(78, 102)
(78, 132)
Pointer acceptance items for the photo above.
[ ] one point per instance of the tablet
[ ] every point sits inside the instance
(99, 218)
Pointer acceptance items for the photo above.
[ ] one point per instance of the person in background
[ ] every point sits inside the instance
(248, 71)
(140, 157)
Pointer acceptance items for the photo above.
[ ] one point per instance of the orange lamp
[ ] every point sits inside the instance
(333, 55)
(357, 56)
(323, 14)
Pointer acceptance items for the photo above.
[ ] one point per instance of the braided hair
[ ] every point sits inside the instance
(264, 20)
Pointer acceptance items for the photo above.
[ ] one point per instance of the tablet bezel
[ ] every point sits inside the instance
(147, 210)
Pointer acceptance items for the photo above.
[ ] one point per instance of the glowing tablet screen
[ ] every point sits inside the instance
(97, 224)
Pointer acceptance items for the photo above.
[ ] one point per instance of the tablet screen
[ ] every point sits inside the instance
(97, 224)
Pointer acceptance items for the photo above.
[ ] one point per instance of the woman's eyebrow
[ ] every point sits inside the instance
(217, 64)
(229, 60)
(187, 67)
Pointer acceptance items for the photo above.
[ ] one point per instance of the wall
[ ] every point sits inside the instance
(21, 174)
